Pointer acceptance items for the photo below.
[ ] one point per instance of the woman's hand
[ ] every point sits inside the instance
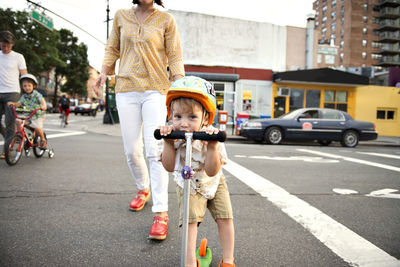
(100, 80)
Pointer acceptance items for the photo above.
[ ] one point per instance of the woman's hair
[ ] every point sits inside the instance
(158, 2)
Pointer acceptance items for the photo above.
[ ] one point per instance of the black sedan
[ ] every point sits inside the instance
(321, 124)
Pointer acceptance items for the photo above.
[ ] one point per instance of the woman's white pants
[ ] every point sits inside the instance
(137, 111)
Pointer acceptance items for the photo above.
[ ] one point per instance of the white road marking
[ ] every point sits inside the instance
(304, 158)
(64, 134)
(385, 193)
(360, 161)
(380, 155)
(342, 191)
(348, 245)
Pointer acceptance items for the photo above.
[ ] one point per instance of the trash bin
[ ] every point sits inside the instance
(112, 106)
(241, 117)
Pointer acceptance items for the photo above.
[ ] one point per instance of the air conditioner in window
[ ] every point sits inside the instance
(283, 91)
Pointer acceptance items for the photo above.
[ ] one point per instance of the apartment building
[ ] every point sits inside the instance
(347, 33)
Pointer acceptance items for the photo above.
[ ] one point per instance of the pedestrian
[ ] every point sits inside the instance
(191, 107)
(12, 65)
(144, 39)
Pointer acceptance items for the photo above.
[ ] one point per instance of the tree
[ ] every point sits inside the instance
(76, 70)
(35, 42)
(45, 49)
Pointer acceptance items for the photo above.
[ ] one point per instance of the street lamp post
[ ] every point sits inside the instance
(108, 118)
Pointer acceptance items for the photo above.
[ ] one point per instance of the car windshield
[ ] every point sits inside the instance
(291, 115)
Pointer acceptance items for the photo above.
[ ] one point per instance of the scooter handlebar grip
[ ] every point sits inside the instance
(172, 135)
(220, 136)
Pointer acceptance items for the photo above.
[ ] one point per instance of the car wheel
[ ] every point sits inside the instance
(324, 142)
(273, 136)
(350, 139)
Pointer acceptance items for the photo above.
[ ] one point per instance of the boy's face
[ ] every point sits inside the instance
(27, 86)
(187, 118)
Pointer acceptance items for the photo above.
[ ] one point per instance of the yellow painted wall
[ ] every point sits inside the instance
(369, 99)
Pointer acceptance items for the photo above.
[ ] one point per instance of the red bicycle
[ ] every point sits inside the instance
(25, 138)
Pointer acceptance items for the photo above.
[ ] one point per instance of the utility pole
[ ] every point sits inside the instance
(108, 118)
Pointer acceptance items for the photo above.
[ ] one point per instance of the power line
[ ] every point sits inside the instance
(29, 1)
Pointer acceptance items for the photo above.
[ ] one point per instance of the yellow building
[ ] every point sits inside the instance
(328, 88)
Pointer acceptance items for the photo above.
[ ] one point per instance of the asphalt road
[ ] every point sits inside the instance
(292, 206)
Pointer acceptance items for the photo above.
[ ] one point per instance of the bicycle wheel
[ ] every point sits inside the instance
(13, 150)
(62, 122)
(37, 149)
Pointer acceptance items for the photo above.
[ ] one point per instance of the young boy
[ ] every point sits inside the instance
(31, 100)
(191, 107)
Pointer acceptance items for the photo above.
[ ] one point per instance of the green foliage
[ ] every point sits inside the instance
(44, 50)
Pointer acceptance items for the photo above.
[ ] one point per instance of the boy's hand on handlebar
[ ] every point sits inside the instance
(211, 130)
(166, 130)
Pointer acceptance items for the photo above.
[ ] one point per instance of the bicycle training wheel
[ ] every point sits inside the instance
(37, 150)
(13, 150)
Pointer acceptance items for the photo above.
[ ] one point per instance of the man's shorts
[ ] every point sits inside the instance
(220, 206)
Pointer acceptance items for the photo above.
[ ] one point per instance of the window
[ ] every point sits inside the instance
(342, 11)
(335, 100)
(333, 37)
(341, 56)
(333, 26)
(324, 19)
(365, 19)
(375, 44)
(313, 98)
(342, 33)
(365, 6)
(333, 3)
(319, 58)
(43, 81)
(324, 10)
(329, 59)
(386, 114)
(323, 31)
(365, 30)
(376, 56)
(296, 99)
(341, 44)
(364, 43)
(333, 15)
(364, 55)
(331, 115)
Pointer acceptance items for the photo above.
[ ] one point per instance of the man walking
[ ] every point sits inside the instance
(12, 64)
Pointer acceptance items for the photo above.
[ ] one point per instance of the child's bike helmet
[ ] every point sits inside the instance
(28, 77)
(197, 89)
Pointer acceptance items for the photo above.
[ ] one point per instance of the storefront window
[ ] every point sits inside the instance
(341, 96)
(335, 100)
(296, 99)
(329, 96)
(313, 98)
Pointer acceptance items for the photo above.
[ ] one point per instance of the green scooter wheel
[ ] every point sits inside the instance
(203, 254)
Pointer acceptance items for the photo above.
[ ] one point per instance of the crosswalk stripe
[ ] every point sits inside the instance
(360, 161)
(348, 245)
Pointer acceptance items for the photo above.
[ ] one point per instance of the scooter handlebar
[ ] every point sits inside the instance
(220, 136)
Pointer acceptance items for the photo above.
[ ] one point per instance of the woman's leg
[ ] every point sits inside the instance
(154, 114)
(130, 117)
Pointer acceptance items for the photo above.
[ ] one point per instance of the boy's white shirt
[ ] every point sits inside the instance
(201, 182)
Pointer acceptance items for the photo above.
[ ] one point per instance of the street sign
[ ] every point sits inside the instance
(42, 19)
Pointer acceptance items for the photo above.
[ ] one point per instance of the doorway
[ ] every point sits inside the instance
(279, 106)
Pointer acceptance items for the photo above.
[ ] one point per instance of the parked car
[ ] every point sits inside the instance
(50, 108)
(87, 108)
(320, 124)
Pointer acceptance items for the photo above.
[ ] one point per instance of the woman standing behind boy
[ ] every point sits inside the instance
(144, 39)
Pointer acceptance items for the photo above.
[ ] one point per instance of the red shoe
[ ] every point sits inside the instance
(138, 202)
(159, 228)
(222, 264)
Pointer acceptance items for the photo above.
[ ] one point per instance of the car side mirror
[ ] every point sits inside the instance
(301, 116)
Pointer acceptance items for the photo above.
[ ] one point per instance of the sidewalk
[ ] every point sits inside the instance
(97, 126)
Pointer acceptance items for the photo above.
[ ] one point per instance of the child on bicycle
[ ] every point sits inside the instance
(191, 106)
(31, 100)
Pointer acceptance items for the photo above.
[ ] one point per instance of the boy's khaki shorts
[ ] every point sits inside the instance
(220, 206)
(38, 123)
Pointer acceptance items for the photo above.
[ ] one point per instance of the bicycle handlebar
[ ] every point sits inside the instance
(220, 136)
(22, 110)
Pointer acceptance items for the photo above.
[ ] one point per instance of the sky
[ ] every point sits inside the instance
(91, 15)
